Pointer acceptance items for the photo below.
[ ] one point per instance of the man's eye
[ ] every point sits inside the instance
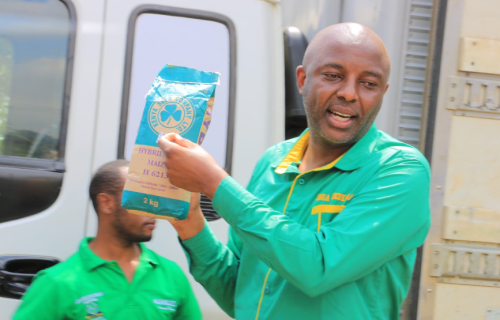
(332, 76)
(370, 84)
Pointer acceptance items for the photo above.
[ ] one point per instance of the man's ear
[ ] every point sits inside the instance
(386, 87)
(301, 78)
(106, 203)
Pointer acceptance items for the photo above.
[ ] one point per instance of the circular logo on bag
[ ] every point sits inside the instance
(171, 114)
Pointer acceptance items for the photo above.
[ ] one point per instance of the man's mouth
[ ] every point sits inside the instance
(340, 116)
(150, 225)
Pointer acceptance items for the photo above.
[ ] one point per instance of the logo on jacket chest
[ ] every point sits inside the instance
(91, 303)
(334, 196)
(332, 203)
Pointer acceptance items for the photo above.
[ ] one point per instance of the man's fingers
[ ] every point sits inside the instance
(170, 137)
(164, 143)
(184, 142)
(167, 142)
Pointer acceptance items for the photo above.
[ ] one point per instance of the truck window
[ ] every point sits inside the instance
(33, 54)
(36, 39)
(161, 35)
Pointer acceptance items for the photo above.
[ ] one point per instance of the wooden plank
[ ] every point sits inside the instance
(479, 55)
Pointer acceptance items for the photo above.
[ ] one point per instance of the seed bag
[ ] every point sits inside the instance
(181, 101)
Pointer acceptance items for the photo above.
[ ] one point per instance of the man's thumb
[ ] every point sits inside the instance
(165, 141)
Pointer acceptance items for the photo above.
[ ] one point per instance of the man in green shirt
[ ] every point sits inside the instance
(112, 276)
(330, 221)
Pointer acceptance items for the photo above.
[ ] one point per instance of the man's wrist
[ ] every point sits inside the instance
(192, 225)
(213, 182)
(188, 231)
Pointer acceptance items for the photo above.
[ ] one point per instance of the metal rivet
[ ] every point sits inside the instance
(436, 252)
(438, 187)
(429, 290)
(452, 99)
(436, 266)
(472, 63)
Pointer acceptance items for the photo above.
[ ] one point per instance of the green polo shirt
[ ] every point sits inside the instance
(88, 287)
(337, 242)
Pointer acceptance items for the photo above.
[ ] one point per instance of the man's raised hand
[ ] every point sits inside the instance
(194, 223)
(189, 166)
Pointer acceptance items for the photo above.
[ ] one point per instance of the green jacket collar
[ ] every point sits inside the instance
(91, 261)
(351, 160)
(360, 151)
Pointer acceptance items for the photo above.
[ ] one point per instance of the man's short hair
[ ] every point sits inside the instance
(108, 179)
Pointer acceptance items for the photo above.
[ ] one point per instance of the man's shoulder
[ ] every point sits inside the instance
(169, 273)
(62, 276)
(64, 272)
(163, 262)
(394, 151)
(279, 150)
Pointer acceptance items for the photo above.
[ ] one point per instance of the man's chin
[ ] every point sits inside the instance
(143, 238)
(336, 138)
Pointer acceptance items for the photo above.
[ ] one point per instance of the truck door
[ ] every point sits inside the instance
(240, 39)
(49, 61)
(461, 261)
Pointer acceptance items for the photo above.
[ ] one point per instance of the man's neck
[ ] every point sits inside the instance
(318, 155)
(111, 248)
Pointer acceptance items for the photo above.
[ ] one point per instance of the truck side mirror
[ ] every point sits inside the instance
(295, 114)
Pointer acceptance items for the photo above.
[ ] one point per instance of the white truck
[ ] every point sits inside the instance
(74, 73)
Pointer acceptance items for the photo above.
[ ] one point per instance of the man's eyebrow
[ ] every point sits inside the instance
(333, 65)
(373, 73)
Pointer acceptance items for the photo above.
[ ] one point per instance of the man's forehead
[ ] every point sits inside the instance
(342, 56)
(348, 44)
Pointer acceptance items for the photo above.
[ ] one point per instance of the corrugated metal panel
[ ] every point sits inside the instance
(417, 33)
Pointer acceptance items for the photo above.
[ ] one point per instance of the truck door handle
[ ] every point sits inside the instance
(17, 289)
(17, 273)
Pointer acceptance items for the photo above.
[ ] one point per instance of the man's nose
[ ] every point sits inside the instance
(348, 91)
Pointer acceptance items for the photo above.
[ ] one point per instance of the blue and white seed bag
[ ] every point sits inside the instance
(180, 101)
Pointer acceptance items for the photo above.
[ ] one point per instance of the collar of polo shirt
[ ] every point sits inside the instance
(91, 261)
(350, 161)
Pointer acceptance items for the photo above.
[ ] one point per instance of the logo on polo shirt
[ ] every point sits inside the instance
(334, 196)
(91, 302)
(169, 305)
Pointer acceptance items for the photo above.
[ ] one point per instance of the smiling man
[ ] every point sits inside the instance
(330, 221)
(112, 276)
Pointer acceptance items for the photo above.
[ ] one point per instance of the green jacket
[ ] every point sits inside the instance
(88, 287)
(337, 242)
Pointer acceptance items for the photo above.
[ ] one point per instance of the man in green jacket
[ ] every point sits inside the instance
(112, 276)
(330, 221)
